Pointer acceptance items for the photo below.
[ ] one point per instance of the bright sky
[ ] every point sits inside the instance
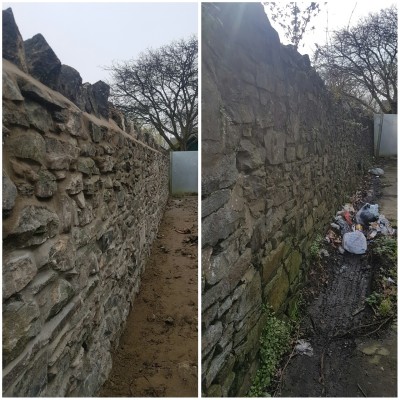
(88, 36)
(335, 15)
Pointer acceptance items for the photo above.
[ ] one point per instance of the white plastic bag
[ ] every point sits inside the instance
(355, 242)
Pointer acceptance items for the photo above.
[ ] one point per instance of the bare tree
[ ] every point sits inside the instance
(160, 89)
(360, 62)
(293, 19)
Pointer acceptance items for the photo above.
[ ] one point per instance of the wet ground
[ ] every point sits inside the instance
(157, 354)
(354, 355)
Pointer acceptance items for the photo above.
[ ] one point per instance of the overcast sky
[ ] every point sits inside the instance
(334, 15)
(87, 36)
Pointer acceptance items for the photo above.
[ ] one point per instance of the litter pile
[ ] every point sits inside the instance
(351, 231)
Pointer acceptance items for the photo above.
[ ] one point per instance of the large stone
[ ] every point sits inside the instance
(74, 184)
(101, 92)
(33, 226)
(38, 117)
(18, 270)
(219, 225)
(43, 64)
(54, 297)
(213, 202)
(210, 337)
(10, 88)
(27, 144)
(87, 166)
(13, 45)
(46, 186)
(62, 254)
(40, 94)
(69, 83)
(20, 325)
(9, 194)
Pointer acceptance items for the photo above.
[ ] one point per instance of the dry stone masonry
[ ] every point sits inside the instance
(279, 155)
(82, 200)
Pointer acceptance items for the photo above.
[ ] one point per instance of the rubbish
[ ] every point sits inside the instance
(347, 217)
(335, 226)
(349, 207)
(382, 226)
(390, 280)
(333, 238)
(359, 227)
(304, 348)
(367, 213)
(376, 171)
(341, 250)
(324, 252)
(355, 242)
(344, 226)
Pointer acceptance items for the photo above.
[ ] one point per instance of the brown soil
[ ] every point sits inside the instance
(157, 354)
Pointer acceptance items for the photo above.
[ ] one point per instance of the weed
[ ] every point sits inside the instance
(315, 248)
(275, 341)
(383, 255)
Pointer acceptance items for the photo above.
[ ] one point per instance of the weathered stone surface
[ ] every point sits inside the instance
(18, 270)
(210, 338)
(13, 45)
(54, 297)
(43, 64)
(68, 83)
(9, 194)
(10, 88)
(101, 92)
(46, 186)
(38, 117)
(28, 145)
(215, 201)
(219, 226)
(87, 166)
(33, 226)
(75, 184)
(20, 325)
(62, 254)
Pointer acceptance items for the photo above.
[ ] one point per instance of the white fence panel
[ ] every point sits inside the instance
(385, 134)
(184, 167)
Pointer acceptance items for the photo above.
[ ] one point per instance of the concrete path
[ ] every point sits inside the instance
(388, 201)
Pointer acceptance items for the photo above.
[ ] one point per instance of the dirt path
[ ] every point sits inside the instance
(347, 361)
(157, 354)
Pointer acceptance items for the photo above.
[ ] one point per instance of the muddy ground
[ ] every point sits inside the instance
(354, 354)
(157, 353)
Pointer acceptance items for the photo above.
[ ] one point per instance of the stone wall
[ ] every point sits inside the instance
(82, 200)
(279, 155)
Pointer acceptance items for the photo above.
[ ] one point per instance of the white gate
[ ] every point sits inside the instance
(385, 134)
(184, 170)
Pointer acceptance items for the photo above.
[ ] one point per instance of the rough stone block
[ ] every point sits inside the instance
(18, 270)
(74, 184)
(27, 144)
(46, 185)
(62, 254)
(87, 166)
(215, 201)
(9, 194)
(20, 325)
(33, 226)
(54, 297)
(219, 225)
(210, 337)
(10, 88)
(277, 290)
